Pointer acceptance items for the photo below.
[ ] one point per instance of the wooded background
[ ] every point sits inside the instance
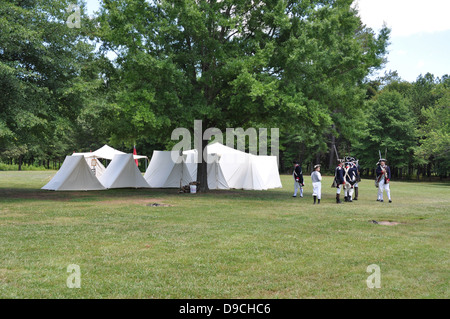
(139, 69)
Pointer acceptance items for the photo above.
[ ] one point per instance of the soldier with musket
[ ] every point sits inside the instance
(350, 178)
(383, 173)
(338, 180)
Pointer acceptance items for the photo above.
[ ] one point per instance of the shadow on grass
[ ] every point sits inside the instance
(19, 194)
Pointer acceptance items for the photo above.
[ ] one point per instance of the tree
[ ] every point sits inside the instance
(435, 133)
(44, 74)
(233, 63)
(390, 127)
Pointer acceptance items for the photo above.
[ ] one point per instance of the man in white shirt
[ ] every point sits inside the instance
(316, 178)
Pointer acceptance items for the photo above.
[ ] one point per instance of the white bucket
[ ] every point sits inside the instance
(193, 188)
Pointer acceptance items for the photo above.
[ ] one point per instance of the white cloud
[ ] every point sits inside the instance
(405, 17)
(420, 64)
(401, 52)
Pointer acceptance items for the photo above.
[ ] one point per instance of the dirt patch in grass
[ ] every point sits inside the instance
(134, 201)
(158, 205)
(385, 222)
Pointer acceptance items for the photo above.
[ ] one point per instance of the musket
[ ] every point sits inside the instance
(381, 175)
(335, 150)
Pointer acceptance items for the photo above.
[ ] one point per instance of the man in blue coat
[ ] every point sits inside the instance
(350, 177)
(298, 179)
(338, 180)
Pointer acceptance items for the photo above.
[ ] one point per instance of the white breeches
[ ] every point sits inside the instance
(348, 190)
(296, 187)
(317, 189)
(383, 186)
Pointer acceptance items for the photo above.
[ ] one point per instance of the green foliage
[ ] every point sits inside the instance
(390, 126)
(435, 133)
(298, 66)
(46, 76)
(15, 167)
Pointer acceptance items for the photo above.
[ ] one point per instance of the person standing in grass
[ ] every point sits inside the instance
(316, 179)
(298, 179)
(383, 177)
(358, 177)
(338, 181)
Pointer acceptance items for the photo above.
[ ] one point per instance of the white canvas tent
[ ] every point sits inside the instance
(227, 168)
(164, 172)
(123, 173)
(106, 152)
(74, 175)
(95, 165)
(230, 168)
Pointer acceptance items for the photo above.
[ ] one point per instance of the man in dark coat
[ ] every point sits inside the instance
(338, 181)
(298, 179)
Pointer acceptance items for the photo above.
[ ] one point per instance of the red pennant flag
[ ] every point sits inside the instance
(135, 153)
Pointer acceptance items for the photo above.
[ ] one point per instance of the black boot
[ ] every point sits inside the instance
(345, 199)
(314, 199)
(338, 201)
(356, 193)
(318, 201)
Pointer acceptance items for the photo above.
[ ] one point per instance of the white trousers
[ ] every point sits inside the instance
(296, 187)
(381, 187)
(317, 189)
(348, 190)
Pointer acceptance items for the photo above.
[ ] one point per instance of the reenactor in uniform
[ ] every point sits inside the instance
(382, 180)
(358, 177)
(316, 179)
(338, 180)
(350, 174)
(298, 179)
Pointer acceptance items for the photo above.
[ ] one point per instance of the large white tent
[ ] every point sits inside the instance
(74, 175)
(227, 168)
(169, 169)
(230, 168)
(123, 173)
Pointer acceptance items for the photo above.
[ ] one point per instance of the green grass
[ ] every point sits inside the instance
(224, 244)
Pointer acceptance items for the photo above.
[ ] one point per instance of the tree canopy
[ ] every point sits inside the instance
(138, 69)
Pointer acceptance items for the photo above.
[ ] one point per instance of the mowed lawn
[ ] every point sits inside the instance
(224, 244)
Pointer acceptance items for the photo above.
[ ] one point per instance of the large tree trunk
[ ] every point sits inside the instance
(202, 170)
(20, 162)
(333, 144)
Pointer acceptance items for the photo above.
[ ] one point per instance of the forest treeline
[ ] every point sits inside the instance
(138, 69)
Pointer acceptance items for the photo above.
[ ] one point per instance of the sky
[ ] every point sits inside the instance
(420, 33)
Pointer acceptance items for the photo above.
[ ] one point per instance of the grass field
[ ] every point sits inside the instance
(224, 244)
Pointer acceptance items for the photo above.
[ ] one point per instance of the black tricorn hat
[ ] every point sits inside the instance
(294, 162)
